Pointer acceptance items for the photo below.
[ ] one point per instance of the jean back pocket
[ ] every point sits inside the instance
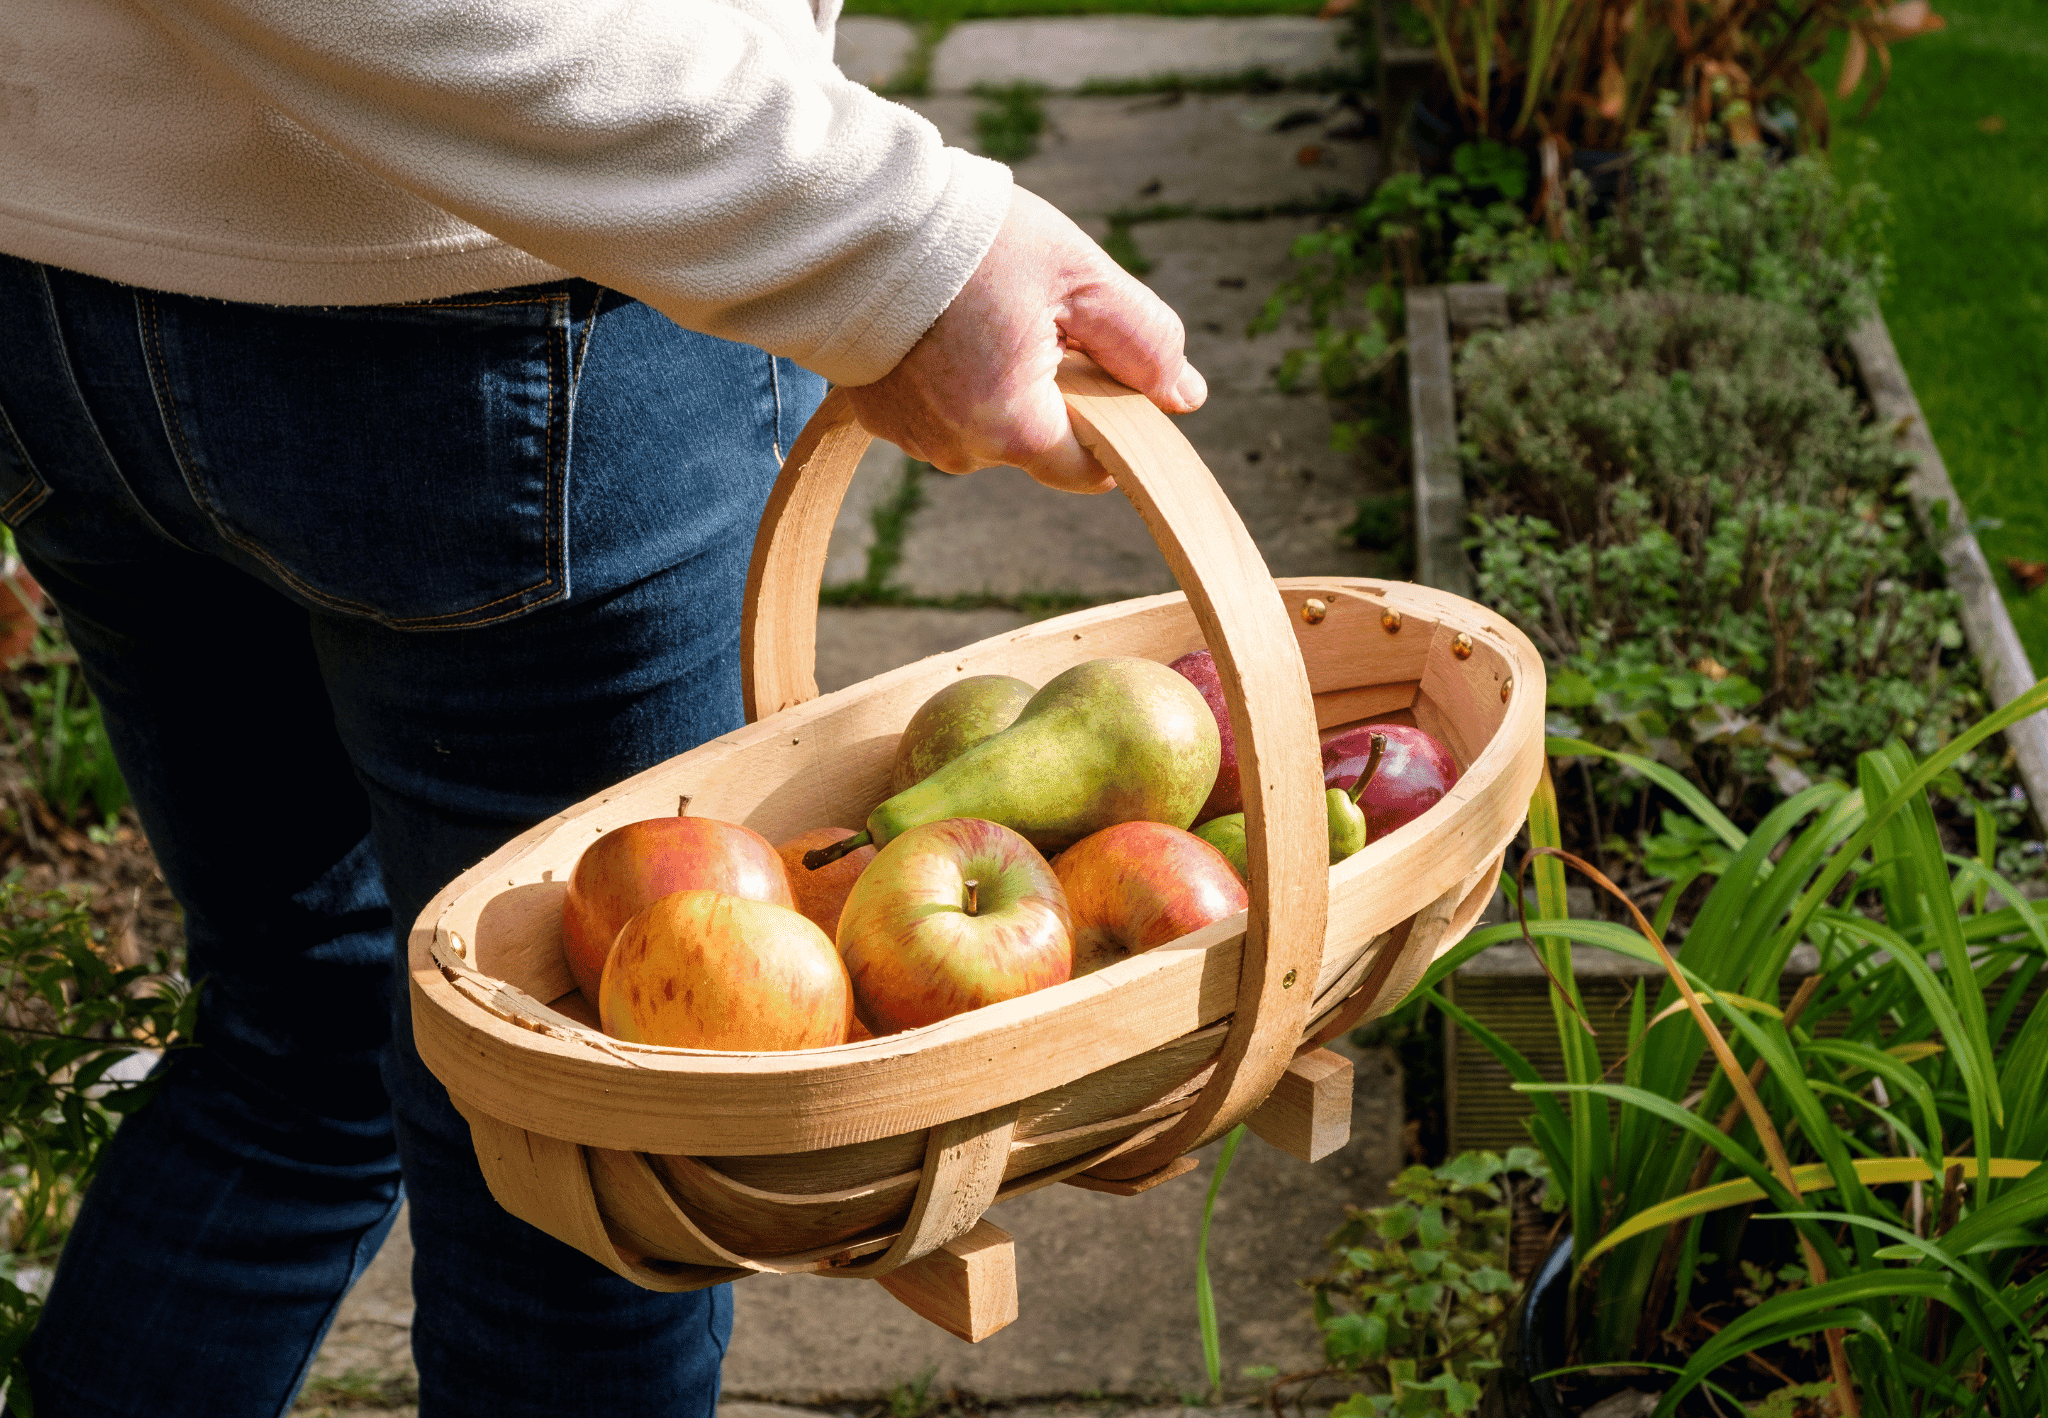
(406, 464)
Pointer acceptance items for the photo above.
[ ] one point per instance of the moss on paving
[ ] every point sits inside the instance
(1968, 300)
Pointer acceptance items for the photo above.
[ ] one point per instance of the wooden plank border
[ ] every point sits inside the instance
(1987, 624)
(1441, 512)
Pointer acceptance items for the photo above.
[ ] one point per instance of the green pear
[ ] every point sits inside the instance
(954, 720)
(1108, 741)
(1226, 835)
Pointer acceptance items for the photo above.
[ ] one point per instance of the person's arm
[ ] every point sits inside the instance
(706, 157)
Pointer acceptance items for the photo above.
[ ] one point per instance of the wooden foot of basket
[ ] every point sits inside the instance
(967, 1287)
(1308, 1113)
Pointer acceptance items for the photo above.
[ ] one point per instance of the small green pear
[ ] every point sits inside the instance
(1346, 820)
(1108, 741)
(954, 720)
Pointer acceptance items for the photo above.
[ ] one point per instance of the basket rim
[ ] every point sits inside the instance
(467, 1032)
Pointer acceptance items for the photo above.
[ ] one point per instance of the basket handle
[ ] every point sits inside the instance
(1245, 623)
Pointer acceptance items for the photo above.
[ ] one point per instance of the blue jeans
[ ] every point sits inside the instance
(363, 593)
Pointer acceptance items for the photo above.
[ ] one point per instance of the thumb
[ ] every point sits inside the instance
(1118, 322)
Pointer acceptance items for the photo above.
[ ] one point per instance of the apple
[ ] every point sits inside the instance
(710, 970)
(954, 720)
(1414, 773)
(1141, 884)
(820, 893)
(1199, 669)
(953, 915)
(631, 867)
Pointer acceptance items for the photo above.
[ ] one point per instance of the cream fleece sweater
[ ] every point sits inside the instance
(704, 156)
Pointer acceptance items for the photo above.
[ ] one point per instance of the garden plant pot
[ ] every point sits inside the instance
(681, 1168)
(1537, 1341)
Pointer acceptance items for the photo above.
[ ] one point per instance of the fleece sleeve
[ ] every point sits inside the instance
(704, 156)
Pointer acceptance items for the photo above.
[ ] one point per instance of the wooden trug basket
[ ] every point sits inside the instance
(875, 1160)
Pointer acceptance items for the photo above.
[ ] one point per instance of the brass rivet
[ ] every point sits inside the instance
(1507, 687)
(1390, 621)
(1313, 610)
(1461, 646)
(1287, 981)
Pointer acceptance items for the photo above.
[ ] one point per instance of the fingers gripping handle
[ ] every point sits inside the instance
(1245, 624)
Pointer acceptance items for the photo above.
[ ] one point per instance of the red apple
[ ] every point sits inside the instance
(820, 894)
(1199, 670)
(1140, 884)
(1413, 776)
(631, 867)
(709, 970)
(953, 915)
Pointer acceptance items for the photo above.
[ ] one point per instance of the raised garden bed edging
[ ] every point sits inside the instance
(1442, 517)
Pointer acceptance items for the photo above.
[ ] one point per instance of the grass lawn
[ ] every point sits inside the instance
(1962, 147)
(992, 9)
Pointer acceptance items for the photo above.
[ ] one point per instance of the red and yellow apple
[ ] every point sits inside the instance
(709, 970)
(631, 867)
(1141, 884)
(821, 894)
(952, 915)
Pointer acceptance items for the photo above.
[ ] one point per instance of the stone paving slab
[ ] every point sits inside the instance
(997, 532)
(871, 50)
(854, 645)
(875, 481)
(1099, 155)
(1065, 53)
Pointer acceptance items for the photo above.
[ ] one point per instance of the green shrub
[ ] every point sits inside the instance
(66, 1018)
(1415, 1300)
(1679, 504)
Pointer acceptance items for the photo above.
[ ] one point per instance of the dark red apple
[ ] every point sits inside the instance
(952, 915)
(631, 867)
(1199, 670)
(1141, 884)
(1415, 773)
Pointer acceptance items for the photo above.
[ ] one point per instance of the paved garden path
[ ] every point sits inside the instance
(1106, 1283)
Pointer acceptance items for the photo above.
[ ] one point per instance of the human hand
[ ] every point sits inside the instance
(977, 390)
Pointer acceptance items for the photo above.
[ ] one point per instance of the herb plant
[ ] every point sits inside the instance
(1681, 506)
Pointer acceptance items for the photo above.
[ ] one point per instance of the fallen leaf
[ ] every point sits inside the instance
(1712, 668)
(1310, 156)
(1991, 124)
(1853, 61)
(2031, 575)
(1613, 88)
(1909, 18)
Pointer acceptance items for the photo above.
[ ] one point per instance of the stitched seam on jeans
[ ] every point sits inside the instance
(91, 422)
(447, 620)
(30, 497)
